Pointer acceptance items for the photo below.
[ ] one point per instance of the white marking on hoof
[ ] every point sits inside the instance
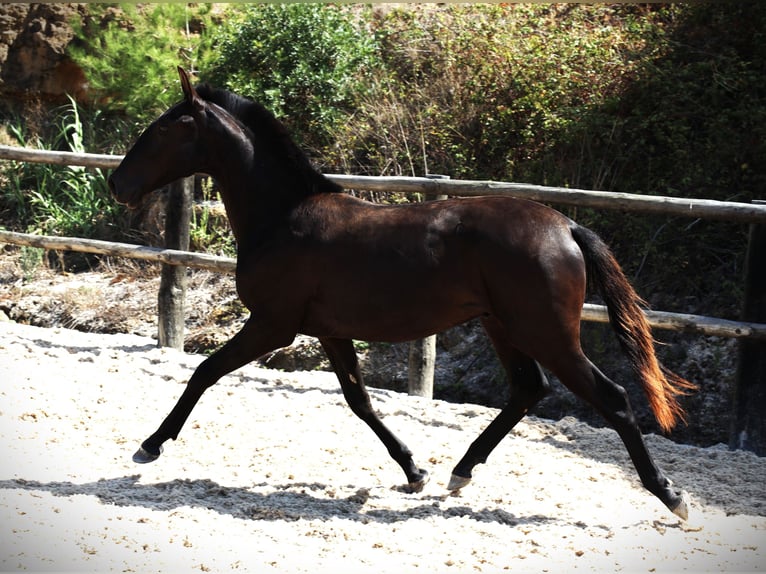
(457, 482)
(682, 509)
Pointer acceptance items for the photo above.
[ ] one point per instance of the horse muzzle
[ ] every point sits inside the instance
(123, 194)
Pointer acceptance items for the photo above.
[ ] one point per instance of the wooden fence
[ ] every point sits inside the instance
(695, 208)
(745, 424)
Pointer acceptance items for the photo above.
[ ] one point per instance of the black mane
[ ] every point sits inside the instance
(266, 127)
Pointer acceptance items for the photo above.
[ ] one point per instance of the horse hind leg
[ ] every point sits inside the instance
(528, 385)
(610, 399)
(346, 366)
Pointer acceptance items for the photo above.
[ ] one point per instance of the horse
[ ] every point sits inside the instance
(316, 261)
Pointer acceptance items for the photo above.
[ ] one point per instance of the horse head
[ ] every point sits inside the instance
(167, 150)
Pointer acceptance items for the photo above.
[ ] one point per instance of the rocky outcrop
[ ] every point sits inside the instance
(33, 60)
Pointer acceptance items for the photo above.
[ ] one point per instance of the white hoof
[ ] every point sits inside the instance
(457, 482)
(682, 510)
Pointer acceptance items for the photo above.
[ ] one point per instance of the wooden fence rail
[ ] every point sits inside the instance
(696, 208)
(657, 319)
(157, 254)
(59, 157)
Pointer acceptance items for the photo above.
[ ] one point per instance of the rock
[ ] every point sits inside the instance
(33, 59)
(305, 354)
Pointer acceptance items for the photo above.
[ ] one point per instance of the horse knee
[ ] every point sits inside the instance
(205, 375)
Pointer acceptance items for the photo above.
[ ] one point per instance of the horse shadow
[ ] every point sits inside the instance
(290, 502)
(93, 349)
(714, 476)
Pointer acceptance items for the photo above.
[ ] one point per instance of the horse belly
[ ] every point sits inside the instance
(392, 311)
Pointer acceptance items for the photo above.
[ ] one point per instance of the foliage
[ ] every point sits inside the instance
(307, 63)
(69, 200)
(481, 91)
(690, 123)
(130, 54)
(659, 99)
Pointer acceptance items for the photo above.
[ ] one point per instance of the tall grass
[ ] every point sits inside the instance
(58, 200)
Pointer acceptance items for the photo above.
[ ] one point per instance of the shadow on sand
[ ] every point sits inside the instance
(290, 502)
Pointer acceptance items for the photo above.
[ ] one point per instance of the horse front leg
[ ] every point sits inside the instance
(346, 366)
(253, 340)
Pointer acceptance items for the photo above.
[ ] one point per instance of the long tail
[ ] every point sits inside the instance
(662, 387)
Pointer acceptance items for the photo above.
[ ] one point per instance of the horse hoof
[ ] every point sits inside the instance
(457, 482)
(417, 485)
(682, 508)
(142, 456)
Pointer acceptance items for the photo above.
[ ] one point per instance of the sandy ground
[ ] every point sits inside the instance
(273, 473)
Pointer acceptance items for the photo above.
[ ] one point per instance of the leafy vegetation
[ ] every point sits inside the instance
(484, 91)
(56, 200)
(689, 123)
(130, 54)
(308, 57)
(657, 99)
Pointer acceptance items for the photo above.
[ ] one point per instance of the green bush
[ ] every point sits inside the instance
(690, 122)
(484, 92)
(307, 63)
(130, 54)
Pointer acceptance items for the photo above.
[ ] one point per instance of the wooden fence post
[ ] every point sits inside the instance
(748, 428)
(422, 362)
(422, 358)
(172, 291)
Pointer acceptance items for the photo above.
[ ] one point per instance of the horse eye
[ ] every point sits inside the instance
(162, 130)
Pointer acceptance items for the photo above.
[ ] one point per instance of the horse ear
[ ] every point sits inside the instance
(186, 84)
(189, 92)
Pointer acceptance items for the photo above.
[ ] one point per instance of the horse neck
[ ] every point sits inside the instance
(228, 165)
(259, 187)
(237, 211)
(257, 199)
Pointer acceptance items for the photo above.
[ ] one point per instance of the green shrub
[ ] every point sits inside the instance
(690, 122)
(307, 63)
(130, 54)
(484, 92)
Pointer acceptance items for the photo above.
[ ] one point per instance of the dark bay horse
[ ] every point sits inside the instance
(316, 261)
